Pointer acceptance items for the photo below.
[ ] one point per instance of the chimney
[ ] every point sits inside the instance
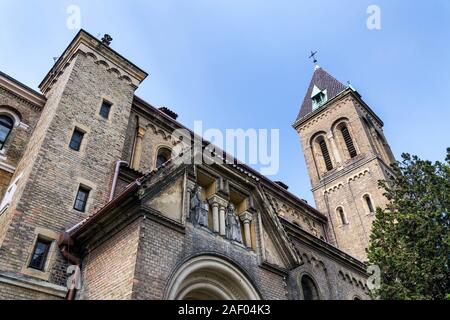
(283, 185)
(169, 112)
(106, 40)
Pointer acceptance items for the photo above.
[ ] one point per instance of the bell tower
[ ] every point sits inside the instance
(346, 155)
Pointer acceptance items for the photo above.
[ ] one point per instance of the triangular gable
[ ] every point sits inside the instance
(315, 91)
(169, 201)
(276, 247)
(164, 192)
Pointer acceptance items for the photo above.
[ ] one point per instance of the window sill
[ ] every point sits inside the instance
(83, 214)
(43, 275)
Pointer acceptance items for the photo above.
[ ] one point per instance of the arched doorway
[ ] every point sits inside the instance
(210, 278)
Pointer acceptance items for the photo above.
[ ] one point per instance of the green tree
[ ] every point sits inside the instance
(410, 241)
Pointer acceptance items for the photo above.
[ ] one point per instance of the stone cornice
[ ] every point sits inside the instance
(323, 247)
(298, 124)
(33, 284)
(346, 171)
(22, 91)
(89, 45)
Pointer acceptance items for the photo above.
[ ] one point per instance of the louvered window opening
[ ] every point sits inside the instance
(349, 142)
(326, 155)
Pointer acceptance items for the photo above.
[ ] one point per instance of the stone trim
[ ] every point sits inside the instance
(327, 249)
(7, 167)
(33, 284)
(102, 54)
(45, 274)
(21, 91)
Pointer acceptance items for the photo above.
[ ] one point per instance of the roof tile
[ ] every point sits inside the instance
(324, 81)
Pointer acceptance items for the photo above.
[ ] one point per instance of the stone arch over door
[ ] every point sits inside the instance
(209, 277)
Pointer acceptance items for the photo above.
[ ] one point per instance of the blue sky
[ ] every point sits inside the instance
(243, 64)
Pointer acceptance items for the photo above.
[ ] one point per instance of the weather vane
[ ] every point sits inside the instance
(313, 56)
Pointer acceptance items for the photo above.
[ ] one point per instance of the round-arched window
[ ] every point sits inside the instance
(342, 215)
(309, 289)
(6, 125)
(164, 155)
(369, 203)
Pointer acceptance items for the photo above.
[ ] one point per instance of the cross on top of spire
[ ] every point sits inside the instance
(313, 56)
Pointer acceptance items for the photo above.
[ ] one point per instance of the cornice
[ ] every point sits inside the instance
(22, 91)
(347, 92)
(323, 247)
(101, 53)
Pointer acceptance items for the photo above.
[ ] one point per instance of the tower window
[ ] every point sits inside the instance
(369, 203)
(105, 109)
(348, 142)
(81, 199)
(325, 154)
(40, 253)
(342, 216)
(6, 125)
(77, 138)
(318, 97)
(318, 100)
(164, 155)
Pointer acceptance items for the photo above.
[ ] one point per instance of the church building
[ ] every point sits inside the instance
(96, 205)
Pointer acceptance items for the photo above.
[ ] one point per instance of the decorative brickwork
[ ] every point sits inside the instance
(142, 243)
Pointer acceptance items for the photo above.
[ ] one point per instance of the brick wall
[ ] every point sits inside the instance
(334, 280)
(108, 270)
(53, 172)
(12, 292)
(163, 250)
(17, 142)
(350, 179)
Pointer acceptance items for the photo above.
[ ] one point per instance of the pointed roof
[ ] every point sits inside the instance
(323, 81)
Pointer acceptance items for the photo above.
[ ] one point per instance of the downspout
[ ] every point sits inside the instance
(116, 176)
(64, 243)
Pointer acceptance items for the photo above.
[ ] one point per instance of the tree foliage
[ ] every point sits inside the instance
(410, 241)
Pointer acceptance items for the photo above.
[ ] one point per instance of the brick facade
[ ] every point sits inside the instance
(135, 246)
(350, 180)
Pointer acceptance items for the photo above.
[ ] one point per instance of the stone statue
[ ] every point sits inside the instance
(198, 209)
(233, 226)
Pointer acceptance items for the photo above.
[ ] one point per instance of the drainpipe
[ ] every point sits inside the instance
(65, 241)
(116, 175)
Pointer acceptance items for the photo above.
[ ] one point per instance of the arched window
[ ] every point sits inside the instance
(342, 215)
(325, 153)
(6, 125)
(348, 141)
(369, 203)
(309, 289)
(164, 155)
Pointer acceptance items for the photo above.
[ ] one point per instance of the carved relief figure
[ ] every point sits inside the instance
(233, 226)
(199, 209)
